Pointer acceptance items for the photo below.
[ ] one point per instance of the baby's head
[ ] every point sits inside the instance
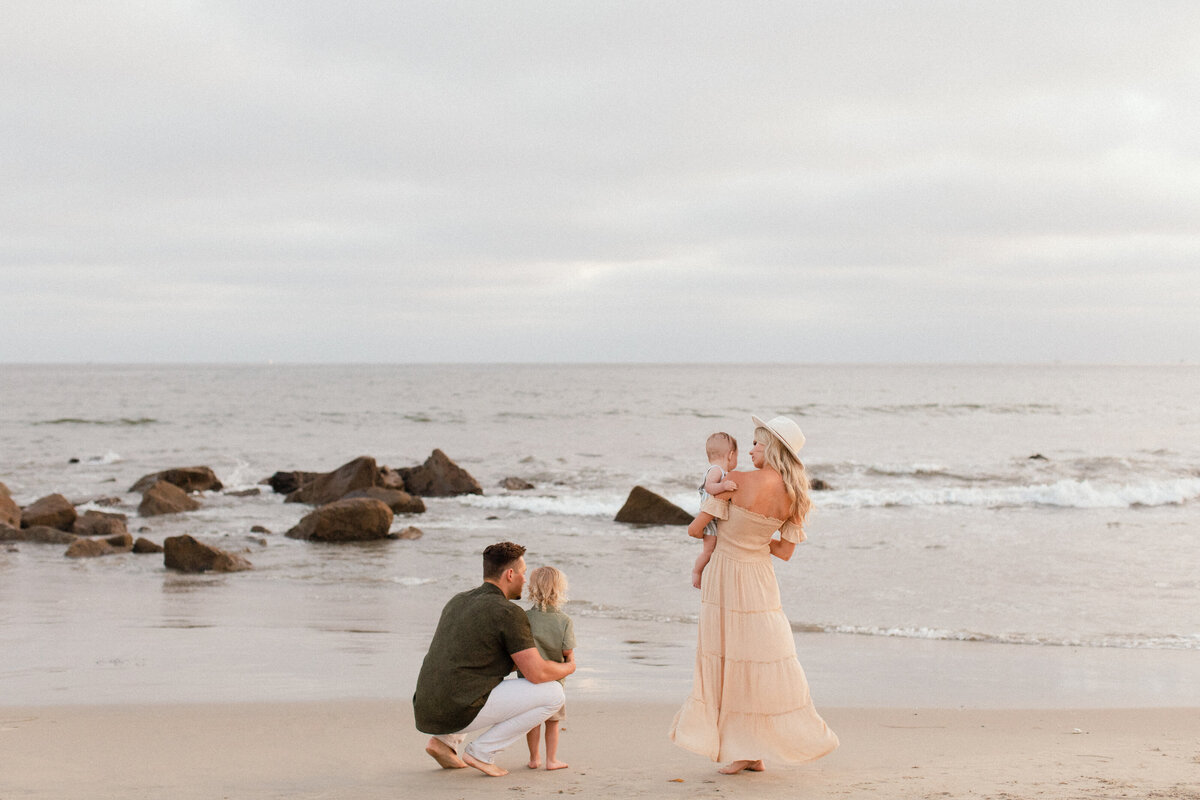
(547, 588)
(721, 449)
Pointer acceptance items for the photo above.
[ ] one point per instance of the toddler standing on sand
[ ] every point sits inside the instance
(721, 449)
(555, 636)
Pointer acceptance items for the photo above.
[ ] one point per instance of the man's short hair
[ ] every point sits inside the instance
(499, 557)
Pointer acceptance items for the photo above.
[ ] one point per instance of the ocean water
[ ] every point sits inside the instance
(976, 516)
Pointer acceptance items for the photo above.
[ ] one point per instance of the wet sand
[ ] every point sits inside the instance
(369, 749)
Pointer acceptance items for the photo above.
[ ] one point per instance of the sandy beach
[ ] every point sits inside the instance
(369, 749)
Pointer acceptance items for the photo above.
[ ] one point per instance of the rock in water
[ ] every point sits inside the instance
(644, 507)
(439, 477)
(190, 479)
(185, 554)
(354, 520)
(144, 545)
(514, 484)
(10, 512)
(289, 481)
(360, 473)
(90, 548)
(399, 501)
(99, 523)
(54, 511)
(44, 534)
(165, 498)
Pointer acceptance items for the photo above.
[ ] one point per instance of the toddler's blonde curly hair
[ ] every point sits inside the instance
(547, 588)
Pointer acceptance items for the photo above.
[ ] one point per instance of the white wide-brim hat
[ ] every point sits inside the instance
(786, 431)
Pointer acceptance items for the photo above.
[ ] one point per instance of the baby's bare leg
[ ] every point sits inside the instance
(706, 551)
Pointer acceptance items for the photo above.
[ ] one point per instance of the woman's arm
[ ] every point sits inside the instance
(696, 528)
(782, 549)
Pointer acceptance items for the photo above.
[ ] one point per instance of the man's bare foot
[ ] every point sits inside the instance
(551, 764)
(444, 754)
(534, 763)
(484, 767)
(735, 767)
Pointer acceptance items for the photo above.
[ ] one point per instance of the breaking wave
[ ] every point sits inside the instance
(1120, 641)
(1061, 494)
(123, 421)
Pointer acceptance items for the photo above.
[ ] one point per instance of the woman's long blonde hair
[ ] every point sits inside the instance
(795, 479)
(547, 588)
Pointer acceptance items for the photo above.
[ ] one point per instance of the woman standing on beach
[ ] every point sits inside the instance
(750, 697)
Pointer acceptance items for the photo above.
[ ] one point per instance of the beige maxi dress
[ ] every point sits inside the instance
(749, 697)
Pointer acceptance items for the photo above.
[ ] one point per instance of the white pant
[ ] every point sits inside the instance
(512, 709)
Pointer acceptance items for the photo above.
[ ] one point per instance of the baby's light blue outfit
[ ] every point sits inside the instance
(711, 528)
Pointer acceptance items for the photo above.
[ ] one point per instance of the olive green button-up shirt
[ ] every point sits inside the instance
(470, 654)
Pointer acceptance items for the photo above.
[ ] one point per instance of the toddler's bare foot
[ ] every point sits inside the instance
(735, 767)
(696, 580)
(534, 763)
(553, 764)
(484, 767)
(444, 755)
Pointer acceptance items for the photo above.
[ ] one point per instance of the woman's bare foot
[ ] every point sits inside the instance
(554, 764)
(534, 763)
(484, 767)
(735, 767)
(444, 754)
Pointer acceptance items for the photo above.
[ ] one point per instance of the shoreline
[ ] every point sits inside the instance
(369, 749)
(622, 661)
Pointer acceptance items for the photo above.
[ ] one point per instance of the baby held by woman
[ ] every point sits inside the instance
(722, 452)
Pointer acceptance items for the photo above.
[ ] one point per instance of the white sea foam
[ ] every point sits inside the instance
(241, 477)
(584, 505)
(1129, 642)
(108, 458)
(410, 581)
(1063, 494)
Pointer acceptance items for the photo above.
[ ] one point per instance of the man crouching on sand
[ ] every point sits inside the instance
(461, 688)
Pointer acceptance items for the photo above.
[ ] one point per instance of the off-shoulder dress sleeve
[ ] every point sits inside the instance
(791, 532)
(718, 508)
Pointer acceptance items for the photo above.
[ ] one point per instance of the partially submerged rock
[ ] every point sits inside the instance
(10, 512)
(289, 481)
(53, 510)
(90, 547)
(439, 477)
(355, 520)
(99, 523)
(515, 484)
(644, 507)
(44, 534)
(165, 498)
(361, 473)
(144, 545)
(190, 479)
(398, 500)
(185, 554)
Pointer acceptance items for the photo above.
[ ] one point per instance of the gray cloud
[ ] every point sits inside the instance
(835, 181)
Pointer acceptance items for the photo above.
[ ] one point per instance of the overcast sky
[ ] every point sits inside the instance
(902, 181)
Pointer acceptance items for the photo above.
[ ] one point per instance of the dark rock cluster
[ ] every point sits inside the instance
(357, 501)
